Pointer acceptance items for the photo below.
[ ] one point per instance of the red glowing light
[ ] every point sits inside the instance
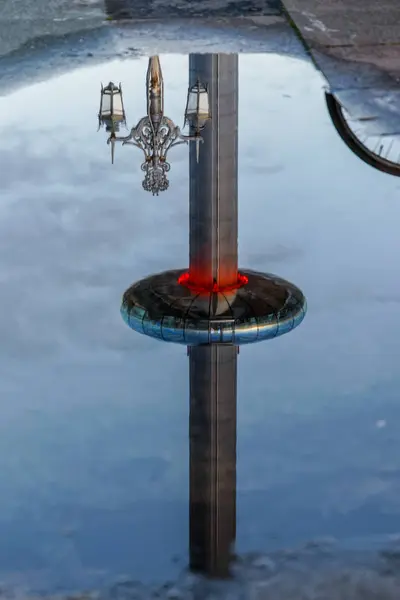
(214, 288)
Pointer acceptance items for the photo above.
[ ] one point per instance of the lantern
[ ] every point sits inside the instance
(197, 111)
(111, 112)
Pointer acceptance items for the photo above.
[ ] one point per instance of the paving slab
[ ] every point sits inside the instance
(361, 31)
(355, 43)
(346, 22)
(386, 58)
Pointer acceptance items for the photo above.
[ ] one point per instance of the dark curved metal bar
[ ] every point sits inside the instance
(342, 127)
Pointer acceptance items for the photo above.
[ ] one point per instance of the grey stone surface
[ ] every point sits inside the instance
(385, 58)
(359, 31)
(356, 45)
(345, 74)
(130, 9)
(24, 20)
(44, 57)
(342, 22)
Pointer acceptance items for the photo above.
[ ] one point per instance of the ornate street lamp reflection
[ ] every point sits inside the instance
(155, 133)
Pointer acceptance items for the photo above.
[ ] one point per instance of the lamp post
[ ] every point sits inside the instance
(155, 133)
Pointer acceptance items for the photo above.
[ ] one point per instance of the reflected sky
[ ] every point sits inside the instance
(94, 428)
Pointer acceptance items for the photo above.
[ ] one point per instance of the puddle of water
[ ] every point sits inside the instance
(94, 474)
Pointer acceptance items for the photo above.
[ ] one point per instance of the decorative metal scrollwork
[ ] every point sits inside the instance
(154, 134)
(154, 140)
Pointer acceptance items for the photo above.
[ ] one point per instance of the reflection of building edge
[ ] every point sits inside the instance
(212, 457)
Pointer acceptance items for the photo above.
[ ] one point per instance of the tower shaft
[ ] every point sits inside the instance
(212, 430)
(213, 179)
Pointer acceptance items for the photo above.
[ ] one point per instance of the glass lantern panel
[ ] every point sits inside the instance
(105, 105)
(192, 102)
(203, 103)
(118, 109)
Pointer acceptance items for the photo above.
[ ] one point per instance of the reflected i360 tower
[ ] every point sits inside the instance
(213, 308)
(213, 181)
(214, 258)
(212, 432)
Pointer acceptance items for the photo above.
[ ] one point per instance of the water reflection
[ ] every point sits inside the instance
(213, 308)
(379, 148)
(212, 432)
(364, 124)
(212, 302)
(110, 406)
